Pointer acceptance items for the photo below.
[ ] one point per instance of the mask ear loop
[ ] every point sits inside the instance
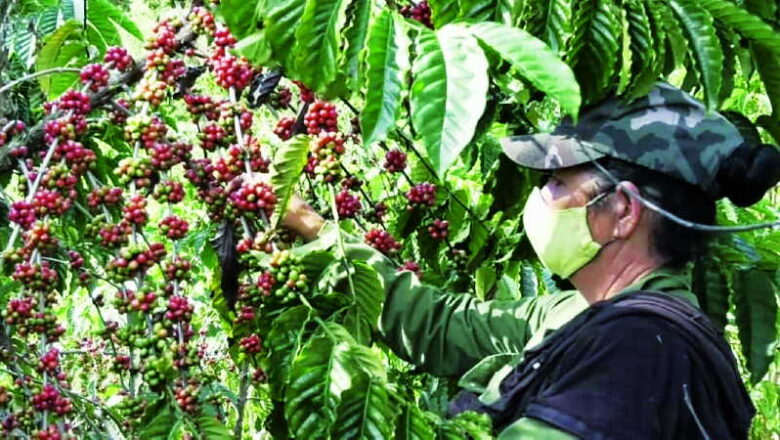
(680, 221)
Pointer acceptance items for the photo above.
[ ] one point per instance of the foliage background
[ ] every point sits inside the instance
(722, 55)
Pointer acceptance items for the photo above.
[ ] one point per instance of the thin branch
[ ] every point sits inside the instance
(52, 71)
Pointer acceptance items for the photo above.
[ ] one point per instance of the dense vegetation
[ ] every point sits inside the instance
(147, 151)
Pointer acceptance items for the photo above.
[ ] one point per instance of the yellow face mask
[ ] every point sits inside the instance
(560, 237)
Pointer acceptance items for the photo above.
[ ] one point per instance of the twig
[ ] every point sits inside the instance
(244, 388)
(13, 83)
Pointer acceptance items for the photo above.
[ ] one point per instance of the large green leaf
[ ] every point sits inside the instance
(704, 46)
(318, 39)
(317, 379)
(359, 14)
(756, 313)
(288, 163)
(549, 21)
(534, 61)
(64, 48)
(368, 297)
(159, 427)
(282, 18)
(447, 98)
(768, 66)
(107, 18)
(412, 425)
(443, 12)
(387, 60)
(366, 411)
(595, 46)
(211, 428)
(712, 290)
(239, 16)
(642, 41)
(743, 22)
(283, 343)
(478, 10)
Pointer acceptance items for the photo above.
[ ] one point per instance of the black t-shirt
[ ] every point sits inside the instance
(622, 372)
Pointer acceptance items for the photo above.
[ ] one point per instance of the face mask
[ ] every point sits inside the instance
(560, 237)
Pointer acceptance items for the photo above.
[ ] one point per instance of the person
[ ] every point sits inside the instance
(628, 354)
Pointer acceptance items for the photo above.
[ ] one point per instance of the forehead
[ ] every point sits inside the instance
(582, 172)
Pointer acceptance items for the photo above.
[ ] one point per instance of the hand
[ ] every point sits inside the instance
(299, 216)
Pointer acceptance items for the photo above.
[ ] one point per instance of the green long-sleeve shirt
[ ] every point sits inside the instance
(450, 334)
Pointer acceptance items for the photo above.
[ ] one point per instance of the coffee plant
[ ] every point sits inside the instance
(151, 288)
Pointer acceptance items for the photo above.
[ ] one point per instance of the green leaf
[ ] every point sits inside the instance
(744, 23)
(387, 60)
(63, 48)
(359, 15)
(282, 18)
(549, 21)
(365, 411)
(704, 47)
(412, 425)
(212, 429)
(756, 311)
(317, 379)
(472, 425)
(107, 18)
(159, 426)
(712, 290)
(318, 39)
(239, 16)
(447, 99)
(443, 12)
(642, 40)
(369, 295)
(255, 48)
(534, 61)
(768, 66)
(478, 10)
(288, 163)
(283, 343)
(595, 45)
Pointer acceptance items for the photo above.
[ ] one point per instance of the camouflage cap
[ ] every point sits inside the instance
(667, 131)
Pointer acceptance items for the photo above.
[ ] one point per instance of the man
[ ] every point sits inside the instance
(610, 360)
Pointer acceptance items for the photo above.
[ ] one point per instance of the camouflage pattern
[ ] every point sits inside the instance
(666, 130)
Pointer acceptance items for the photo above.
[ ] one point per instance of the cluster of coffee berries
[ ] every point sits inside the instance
(64, 128)
(306, 94)
(179, 309)
(22, 213)
(151, 90)
(112, 235)
(40, 237)
(288, 277)
(138, 170)
(285, 128)
(79, 159)
(230, 166)
(38, 277)
(213, 136)
(232, 72)
(382, 241)
(134, 212)
(324, 158)
(142, 301)
(19, 310)
(201, 105)
(439, 229)
(411, 266)
(420, 11)
(178, 269)
(96, 75)
(48, 202)
(422, 195)
(174, 227)
(134, 259)
(118, 58)
(8, 129)
(165, 156)
(347, 205)
(50, 361)
(377, 212)
(280, 98)
(395, 161)
(73, 100)
(252, 198)
(186, 395)
(163, 37)
(49, 399)
(169, 191)
(322, 116)
(202, 21)
(251, 344)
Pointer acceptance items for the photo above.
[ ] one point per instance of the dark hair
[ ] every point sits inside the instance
(743, 177)
(674, 244)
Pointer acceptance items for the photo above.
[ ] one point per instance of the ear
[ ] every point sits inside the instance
(628, 210)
